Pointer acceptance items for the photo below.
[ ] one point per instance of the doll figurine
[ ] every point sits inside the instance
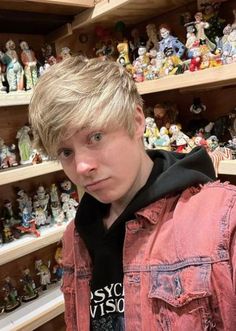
(57, 212)
(164, 140)
(57, 268)
(11, 298)
(24, 201)
(24, 144)
(169, 41)
(134, 43)
(143, 58)
(30, 65)
(68, 206)
(201, 26)
(151, 133)
(44, 273)
(29, 287)
(69, 188)
(65, 53)
(41, 200)
(178, 137)
(7, 155)
(14, 71)
(123, 58)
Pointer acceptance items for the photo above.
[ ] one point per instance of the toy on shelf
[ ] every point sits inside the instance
(7, 155)
(123, 58)
(14, 70)
(65, 53)
(24, 144)
(197, 106)
(2, 77)
(57, 268)
(11, 297)
(30, 65)
(10, 219)
(28, 223)
(134, 43)
(201, 26)
(69, 206)
(57, 212)
(6, 233)
(67, 187)
(41, 200)
(151, 133)
(178, 138)
(163, 141)
(29, 287)
(44, 273)
(169, 41)
(24, 201)
(172, 64)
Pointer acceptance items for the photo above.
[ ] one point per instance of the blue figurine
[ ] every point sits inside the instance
(169, 41)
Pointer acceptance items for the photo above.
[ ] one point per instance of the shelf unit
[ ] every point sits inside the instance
(29, 243)
(18, 173)
(35, 313)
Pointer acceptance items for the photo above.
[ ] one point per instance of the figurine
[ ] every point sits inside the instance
(143, 59)
(57, 212)
(152, 42)
(151, 133)
(30, 65)
(2, 76)
(201, 26)
(58, 269)
(178, 137)
(24, 202)
(15, 75)
(7, 235)
(164, 140)
(134, 43)
(41, 199)
(48, 58)
(68, 206)
(28, 223)
(44, 273)
(123, 58)
(29, 287)
(24, 144)
(165, 114)
(12, 300)
(197, 106)
(172, 64)
(67, 187)
(168, 41)
(65, 53)
(7, 155)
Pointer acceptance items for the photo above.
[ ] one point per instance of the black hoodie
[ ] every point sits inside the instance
(172, 173)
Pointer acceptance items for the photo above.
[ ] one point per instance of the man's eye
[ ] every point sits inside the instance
(64, 153)
(96, 137)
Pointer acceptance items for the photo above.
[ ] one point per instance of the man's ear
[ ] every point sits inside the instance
(139, 121)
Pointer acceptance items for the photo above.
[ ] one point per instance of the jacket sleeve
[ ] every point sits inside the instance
(233, 241)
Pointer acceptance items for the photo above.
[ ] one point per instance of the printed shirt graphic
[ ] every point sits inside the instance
(107, 308)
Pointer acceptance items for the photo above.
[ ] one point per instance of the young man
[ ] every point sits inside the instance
(152, 246)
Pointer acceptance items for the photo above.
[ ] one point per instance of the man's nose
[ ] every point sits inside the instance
(85, 164)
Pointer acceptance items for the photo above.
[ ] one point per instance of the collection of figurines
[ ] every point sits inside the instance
(21, 153)
(20, 69)
(44, 208)
(163, 131)
(157, 52)
(31, 282)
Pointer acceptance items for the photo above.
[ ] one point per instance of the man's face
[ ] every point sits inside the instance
(105, 162)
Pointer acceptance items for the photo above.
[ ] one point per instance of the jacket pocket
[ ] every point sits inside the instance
(180, 296)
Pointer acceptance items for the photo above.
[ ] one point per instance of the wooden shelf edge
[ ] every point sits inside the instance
(35, 313)
(18, 173)
(220, 76)
(29, 243)
(66, 3)
(15, 99)
(227, 167)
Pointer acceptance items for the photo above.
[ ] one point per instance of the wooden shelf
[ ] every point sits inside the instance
(15, 99)
(131, 12)
(18, 173)
(29, 243)
(227, 167)
(33, 314)
(208, 78)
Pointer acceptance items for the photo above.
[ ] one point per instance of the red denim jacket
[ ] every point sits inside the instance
(179, 264)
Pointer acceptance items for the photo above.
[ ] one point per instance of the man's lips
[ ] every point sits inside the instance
(95, 185)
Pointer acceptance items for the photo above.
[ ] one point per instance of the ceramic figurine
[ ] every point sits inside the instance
(152, 42)
(143, 59)
(48, 58)
(164, 140)
(169, 41)
(179, 138)
(68, 206)
(24, 201)
(57, 268)
(39, 215)
(123, 58)
(7, 155)
(151, 133)
(24, 144)
(29, 287)
(57, 212)
(172, 64)
(2, 76)
(41, 199)
(12, 300)
(10, 220)
(191, 38)
(14, 71)
(201, 26)
(67, 187)
(30, 65)
(28, 224)
(7, 235)
(44, 273)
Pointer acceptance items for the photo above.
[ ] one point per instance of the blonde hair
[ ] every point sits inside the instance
(79, 93)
